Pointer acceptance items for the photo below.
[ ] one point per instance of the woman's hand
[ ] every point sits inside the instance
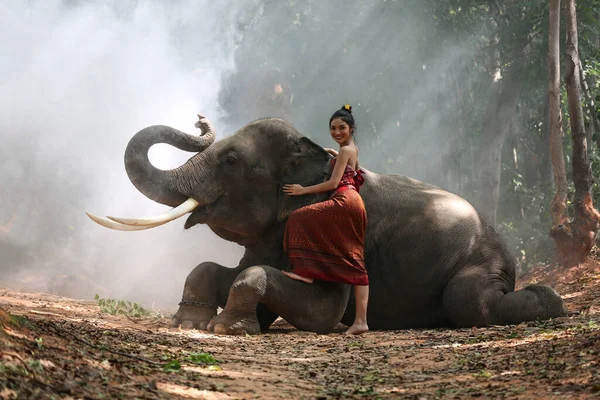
(332, 152)
(293, 190)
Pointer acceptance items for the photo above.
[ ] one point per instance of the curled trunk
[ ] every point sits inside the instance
(162, 185)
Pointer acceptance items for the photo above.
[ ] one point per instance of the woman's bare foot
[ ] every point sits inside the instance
(357, 329)
(297, 277)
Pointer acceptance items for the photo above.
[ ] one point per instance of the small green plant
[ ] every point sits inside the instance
(114, 307)
(172, 366)
(445, 391)
(11, 369)
(366, 391)
(483, 374)
(35, 365)
(201, 358)
(373, 377)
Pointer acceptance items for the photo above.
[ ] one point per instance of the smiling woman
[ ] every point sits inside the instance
(326, 240)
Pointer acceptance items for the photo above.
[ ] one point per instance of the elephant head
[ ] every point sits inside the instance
(233, 185)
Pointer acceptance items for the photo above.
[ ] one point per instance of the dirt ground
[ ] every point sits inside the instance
(56, 347)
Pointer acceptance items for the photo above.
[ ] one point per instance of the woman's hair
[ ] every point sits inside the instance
(345, 114)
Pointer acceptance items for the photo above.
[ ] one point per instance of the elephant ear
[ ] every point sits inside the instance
(307, 165)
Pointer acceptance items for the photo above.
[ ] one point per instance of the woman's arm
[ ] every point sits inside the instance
(327, 186)
(332, 152)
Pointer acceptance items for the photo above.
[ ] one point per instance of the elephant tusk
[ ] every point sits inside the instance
(117, 226)
(179, 211)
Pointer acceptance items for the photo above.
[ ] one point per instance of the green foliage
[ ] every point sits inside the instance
(595, 164)
(418, 75)
(366, 391)
(524, 220)
(201, 358)
(114, 307)
(483, 374)
(373, 377)
(12, 369)
(35, 365)
(172, 366)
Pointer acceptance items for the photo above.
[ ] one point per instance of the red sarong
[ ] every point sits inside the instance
(326, 240)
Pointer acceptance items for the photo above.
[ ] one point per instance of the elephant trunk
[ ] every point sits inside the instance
(159, 185)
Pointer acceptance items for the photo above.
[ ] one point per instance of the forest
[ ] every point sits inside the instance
(461, 101)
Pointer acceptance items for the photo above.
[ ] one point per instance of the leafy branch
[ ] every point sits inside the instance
(128, 308)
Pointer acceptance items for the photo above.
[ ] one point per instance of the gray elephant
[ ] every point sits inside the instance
(431, 258)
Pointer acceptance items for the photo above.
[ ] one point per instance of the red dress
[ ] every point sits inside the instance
(326, 240)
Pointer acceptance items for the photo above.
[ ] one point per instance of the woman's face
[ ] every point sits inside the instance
(340, 131)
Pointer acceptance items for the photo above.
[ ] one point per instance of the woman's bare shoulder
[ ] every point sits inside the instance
(350, 150)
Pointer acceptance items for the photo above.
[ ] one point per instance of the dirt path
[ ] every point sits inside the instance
(69, 349)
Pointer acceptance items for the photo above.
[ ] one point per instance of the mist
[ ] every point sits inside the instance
(378, 57)
(81, 78)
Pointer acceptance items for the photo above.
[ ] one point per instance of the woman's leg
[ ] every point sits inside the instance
(361, 298)
(297, 277)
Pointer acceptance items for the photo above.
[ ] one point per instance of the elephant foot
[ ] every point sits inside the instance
(235, 324)
(193, 317)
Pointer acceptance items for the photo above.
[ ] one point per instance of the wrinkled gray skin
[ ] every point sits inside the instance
(432, 260)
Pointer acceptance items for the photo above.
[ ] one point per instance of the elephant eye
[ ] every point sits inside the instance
(231, 159)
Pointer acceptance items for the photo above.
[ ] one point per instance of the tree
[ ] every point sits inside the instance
(575, 239)
(500, 110)
(429, 101)
(558, 206)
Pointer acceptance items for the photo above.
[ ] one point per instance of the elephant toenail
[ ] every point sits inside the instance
(203, 326)
(187, 324)
(220, 329)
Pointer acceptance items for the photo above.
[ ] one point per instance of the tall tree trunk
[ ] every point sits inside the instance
(575, 243)
(596, 111)
(558, 206)
(500, 110)
(545, 166)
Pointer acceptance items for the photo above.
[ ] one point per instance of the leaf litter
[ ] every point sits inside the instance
(55, 346)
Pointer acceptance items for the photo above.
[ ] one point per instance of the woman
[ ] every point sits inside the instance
(326, 240)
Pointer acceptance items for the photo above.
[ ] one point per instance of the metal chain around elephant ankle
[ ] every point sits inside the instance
(196, 303)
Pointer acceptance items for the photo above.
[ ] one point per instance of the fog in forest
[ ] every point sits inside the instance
(80, 78)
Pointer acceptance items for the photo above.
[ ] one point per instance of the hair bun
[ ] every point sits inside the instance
(347, 107)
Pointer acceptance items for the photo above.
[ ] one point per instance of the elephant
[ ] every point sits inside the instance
(432, 260)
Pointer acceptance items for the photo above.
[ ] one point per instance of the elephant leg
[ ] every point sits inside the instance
(205, 289)
(476, 298)
(265, 317)
(350, 313)
(314, 307)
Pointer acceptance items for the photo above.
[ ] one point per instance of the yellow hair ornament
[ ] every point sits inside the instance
(348, 107)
